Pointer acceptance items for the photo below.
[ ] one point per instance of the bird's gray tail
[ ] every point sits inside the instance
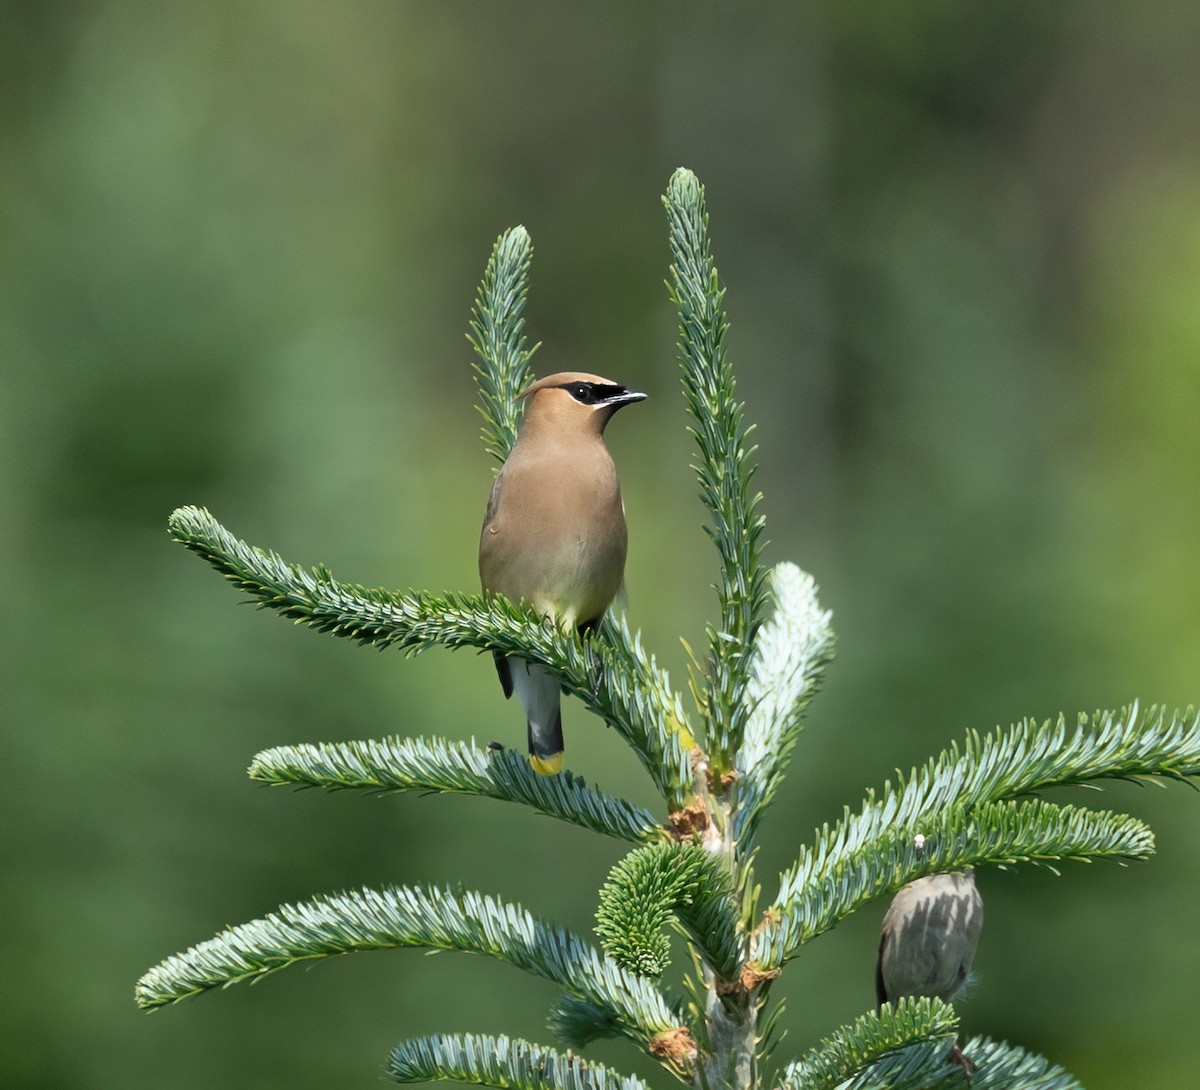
(539, 692)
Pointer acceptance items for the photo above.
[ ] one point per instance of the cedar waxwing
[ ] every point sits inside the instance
(930, 933)
(554, 533)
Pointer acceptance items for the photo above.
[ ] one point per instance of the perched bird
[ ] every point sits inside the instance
(554, 533)
(930, 934)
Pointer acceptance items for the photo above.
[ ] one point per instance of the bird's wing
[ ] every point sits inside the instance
(505, 673)
(881, 996)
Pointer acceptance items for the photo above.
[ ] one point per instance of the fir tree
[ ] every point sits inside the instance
(716, 766)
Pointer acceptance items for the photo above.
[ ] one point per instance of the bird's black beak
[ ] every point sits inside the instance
(625, 397)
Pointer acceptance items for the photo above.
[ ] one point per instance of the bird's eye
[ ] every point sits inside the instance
(582, 392)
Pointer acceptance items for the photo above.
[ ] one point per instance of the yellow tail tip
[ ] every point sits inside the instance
(547, 766)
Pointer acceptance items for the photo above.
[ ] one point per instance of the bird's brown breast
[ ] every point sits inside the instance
(554, 534)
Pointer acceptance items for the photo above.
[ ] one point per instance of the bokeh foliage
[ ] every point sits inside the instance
(239, 246)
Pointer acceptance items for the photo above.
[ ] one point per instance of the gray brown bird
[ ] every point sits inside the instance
(554, 533)
(930, 934)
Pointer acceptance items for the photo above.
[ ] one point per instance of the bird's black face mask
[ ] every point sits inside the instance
(602, 393)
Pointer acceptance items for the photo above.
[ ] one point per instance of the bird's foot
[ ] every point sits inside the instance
(957, 1056)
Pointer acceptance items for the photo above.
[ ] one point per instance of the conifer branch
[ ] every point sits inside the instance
(920, 1066)
(923, 1066)
(652, 884)
(397, 916)
(852, 1049)
(1001, 1066)
(1124, 745)
(965, 807)
(629, 691)
(497, 334)
(579, 1022)
(503, 1062)
(791, 651)
(1001, 766)
(439, 765)
(830, 882)
(724, 468)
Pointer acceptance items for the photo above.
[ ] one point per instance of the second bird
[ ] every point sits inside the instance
(928, 941)
(554, 533)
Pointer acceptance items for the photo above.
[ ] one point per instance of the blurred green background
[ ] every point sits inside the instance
(238, 245)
